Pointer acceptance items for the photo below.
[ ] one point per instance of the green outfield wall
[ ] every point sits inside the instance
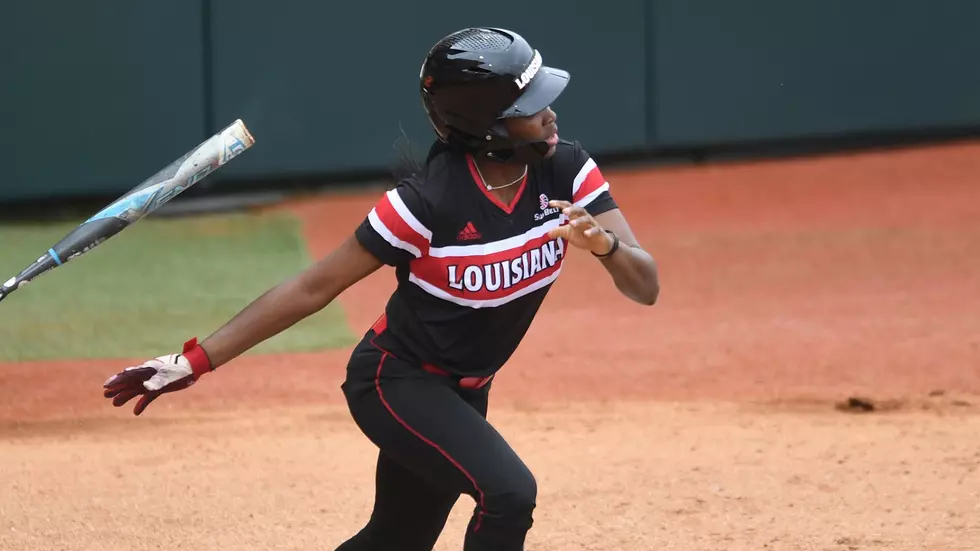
(97, 97)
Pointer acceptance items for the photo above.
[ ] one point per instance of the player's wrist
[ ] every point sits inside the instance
(197, 357)
(608, 245)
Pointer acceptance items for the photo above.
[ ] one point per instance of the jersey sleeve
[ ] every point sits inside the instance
(395, 231)
(590, 189)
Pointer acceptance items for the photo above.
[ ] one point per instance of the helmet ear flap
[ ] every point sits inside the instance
(439, 124)
(454, 136)
(500, 129)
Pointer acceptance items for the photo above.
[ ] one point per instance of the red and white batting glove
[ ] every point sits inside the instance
(158, 376)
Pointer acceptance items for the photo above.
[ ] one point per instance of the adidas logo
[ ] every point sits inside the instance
(468, 232)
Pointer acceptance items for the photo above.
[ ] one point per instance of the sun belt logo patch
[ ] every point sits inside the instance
(546, 210)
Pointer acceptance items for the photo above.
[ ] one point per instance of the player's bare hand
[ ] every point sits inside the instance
(152, 378)
(582, 230)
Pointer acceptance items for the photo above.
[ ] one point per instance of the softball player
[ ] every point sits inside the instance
(476, 238)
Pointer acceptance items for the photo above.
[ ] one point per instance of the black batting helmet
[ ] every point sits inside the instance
(475, 77)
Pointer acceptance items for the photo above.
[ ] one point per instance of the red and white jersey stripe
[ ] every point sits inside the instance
(393, 221)
(447, 239)
(589, 183)
(495, 273)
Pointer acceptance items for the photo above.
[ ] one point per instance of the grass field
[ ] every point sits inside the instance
(145, 291)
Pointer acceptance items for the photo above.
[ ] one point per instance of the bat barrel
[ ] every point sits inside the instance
(178, 176)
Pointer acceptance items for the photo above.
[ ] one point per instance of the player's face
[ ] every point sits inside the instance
(540, 127)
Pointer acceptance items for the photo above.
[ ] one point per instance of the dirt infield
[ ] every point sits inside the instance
(717, 419)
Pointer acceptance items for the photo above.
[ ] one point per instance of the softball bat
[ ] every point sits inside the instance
(131, 207)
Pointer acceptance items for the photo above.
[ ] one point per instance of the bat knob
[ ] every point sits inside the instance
(7, 288)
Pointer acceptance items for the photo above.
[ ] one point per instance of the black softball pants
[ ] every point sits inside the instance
(435, 445)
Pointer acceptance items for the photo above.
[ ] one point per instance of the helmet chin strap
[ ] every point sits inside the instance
(522, 152)
(526, 151)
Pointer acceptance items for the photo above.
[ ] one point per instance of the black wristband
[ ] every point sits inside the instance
(612, 250)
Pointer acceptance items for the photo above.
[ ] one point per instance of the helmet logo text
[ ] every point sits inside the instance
(528, 74)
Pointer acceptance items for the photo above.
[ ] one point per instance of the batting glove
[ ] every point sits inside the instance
(158, 376)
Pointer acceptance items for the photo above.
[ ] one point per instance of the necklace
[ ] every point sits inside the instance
(491, 188)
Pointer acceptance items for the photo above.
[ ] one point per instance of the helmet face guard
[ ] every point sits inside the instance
(475, 78)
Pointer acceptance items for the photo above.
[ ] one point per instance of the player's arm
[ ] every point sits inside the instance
(590, 213)
(271, 313)
(633, 270)
(291, 301)
(390, 235)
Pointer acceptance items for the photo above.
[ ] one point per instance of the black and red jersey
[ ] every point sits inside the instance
(472, 271)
